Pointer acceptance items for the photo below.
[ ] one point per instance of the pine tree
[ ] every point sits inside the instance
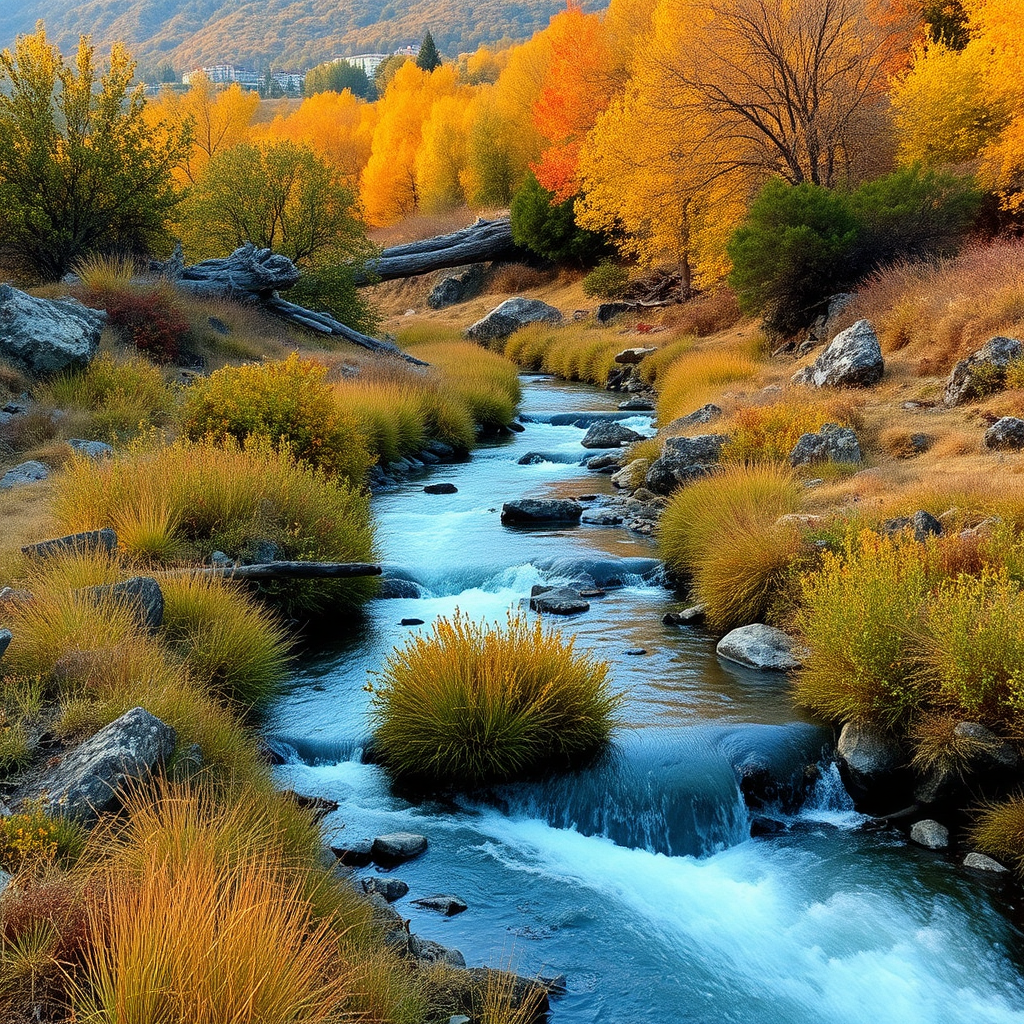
(428, 57)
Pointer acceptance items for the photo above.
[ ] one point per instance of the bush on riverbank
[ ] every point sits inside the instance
(698, 377)
(473, 704)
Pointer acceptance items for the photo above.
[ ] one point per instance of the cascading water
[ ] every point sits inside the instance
(636, 877)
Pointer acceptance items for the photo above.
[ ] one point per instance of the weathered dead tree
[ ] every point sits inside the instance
(484, 240)
(290, 571)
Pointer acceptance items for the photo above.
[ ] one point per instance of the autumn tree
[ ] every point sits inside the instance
(81, 170)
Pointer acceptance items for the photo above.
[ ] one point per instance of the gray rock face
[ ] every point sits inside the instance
(25, 473)
(982, 372)
(1006, 434)
(141, 593)
(832, 443)
(762, 647)
(6, 636)
(852, 359)
(632, 356)
(446, 904)
(91, 449)
(397, 847)
(979, 862)
(83, 543)
(510, 316)
(697, 418)
(534, 511)
(456, 288)
(684, 459)
(558, 601)
(923, 524)
(44, 336)
(87, 780)
(930, 834)
(390, 889)
(609, 434)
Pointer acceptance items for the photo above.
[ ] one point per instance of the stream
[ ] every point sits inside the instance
(638, 879)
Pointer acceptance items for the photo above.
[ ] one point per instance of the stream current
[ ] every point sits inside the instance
(637, 878)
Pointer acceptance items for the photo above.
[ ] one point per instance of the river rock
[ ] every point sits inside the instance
(527, 998)
(684, 459)
(632, 356)
(872, 765)
(980, 862)
(601, 517)
(988, 768)
(30, 472)
(604, 463)
(447, 905)
(1006, 434)
(75, 543)
(536, 511)
(852, 359)
(558, 600)
(609, 434)
(429, 952)
(440, 489)
(456, 288)
(636, 404)
(982, 372)
(695, 615)
(761, 647)
(635, 470)
(697, 418)
(510, 316)
(391, 924)
(87, 780)
(390, 889)
(6, 636)
(141, 593)
(94, 450)
(832, 443)
(47, 336)
(354, 854)
(929, 834)
(923, 524)
(397, 847)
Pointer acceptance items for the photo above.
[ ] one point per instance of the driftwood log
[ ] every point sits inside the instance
(481, 241)
(290, 571)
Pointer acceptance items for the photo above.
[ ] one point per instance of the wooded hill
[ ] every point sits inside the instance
(282, 33)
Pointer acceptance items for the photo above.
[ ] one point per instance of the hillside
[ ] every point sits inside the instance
(282, 33)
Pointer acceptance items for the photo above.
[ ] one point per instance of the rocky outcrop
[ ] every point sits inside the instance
(852, 359)
(510, 316)
(832, 443)
(1006, 434)
(981, 373)
(540, 511)
(456, 288)
(684, 459)
(30, 472)
(609, 434)
(44, 336)
(88, 780)
(761, 647)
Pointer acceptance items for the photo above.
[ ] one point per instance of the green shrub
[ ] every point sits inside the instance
(607, 280)
(475, 704)
(549, 229)
(329, 286)
(288, 403)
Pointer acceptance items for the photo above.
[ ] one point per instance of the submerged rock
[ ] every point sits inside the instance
(397, 847)
(533, 511)
(761, 647)
(440, 489)
(446, 904)
(558, 600)
(695, 615)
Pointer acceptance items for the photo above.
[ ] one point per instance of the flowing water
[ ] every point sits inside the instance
(638, 878)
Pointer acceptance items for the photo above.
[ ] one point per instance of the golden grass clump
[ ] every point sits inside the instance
(576, 351)
(653, 368)
(473, 704)
(698, 377)
(999, 832)
(768, 433)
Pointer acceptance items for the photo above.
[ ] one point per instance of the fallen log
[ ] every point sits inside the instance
(287, 571)
(484, 240)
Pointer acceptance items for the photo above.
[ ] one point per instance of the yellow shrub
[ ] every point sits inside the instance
(696, 378)
(768, 433)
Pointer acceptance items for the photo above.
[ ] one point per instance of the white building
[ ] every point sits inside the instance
(366, 62)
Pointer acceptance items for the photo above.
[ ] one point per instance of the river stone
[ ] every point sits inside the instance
(832, 443)
(922, 524)
(440, 489)
(761, 647)
(30, 472)
(872, 765)
(391, 924)
(397, 847)
(557, 600)
(982, 372)
(91, 449)
(929, 834)
(697, 418)
(429, 952)
(1006, 434)
(635, 470)
(692, 616)
(604, 463)
(527, 997)
(980, 862)
(75, 543)
(510, 316)
(6, 636)
(636, 404)
(533, 511)
(601, 517)
(852, 359)
(47, 336)
(444, 904)
(609, 434)
(390, 889)
(355, 854)
(141, 593)
(684, 459)
(87, 780)
(632, 356)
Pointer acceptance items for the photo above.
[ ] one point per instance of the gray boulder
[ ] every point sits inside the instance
(695, 615)
(81, 543)
(762, 647)
(637, 405)
(601, 517)
(609, 434)
(456, 288)
(979, 862)
(558, 600)
(537, 511)
(397, 847)
(440, 489)
(635, 470)
(390, 889)
(1006, 434)
(447, 905)
(929, 834)
(852, 359)
(604, 463)
(987, 768)
(684, 459)
(355, 853)
(429, 952)
(91, 449)
(923, 524)
(832, 443)
(140, 593)
(632, 356)
(982, 372)
(872, 764)
(25, 473)
(87, 780)
(697, 418)
(47, 336)
(510, 316)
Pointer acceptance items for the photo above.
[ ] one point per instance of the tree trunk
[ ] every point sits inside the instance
(290, 571)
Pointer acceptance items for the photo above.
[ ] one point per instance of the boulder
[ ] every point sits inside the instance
(80, 543)
(601, 517)
(692, 616)
(354, 854)
(604, 463)
(391, 924)
(609, 434)
(979, 862)
(558, 600)
(440, 489)
(6, 636)
(47, 336)
(923, 524)
(982, 372)
(635, 470)
(852, 359)
(456, 288)
(390, 889)
(929, 834)
(1006, 434)
(510, 316)
(429, 952)
(87, 780)
(447, 905)
(872, 765)
(397, 848)
(536, 511)
(987, 767)
(637, 404)
(632, 356)
(684, 459)
(91, 449)
(832, 443)
(762, 647)
(24, 473)
(526, 998)
(697, 418)
(141, 593)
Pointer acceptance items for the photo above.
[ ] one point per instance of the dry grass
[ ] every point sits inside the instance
(768, 433)
(707, 313)
(422, 225)
(698, 377)
(510, 279)
(999, 832)
(575, 351)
